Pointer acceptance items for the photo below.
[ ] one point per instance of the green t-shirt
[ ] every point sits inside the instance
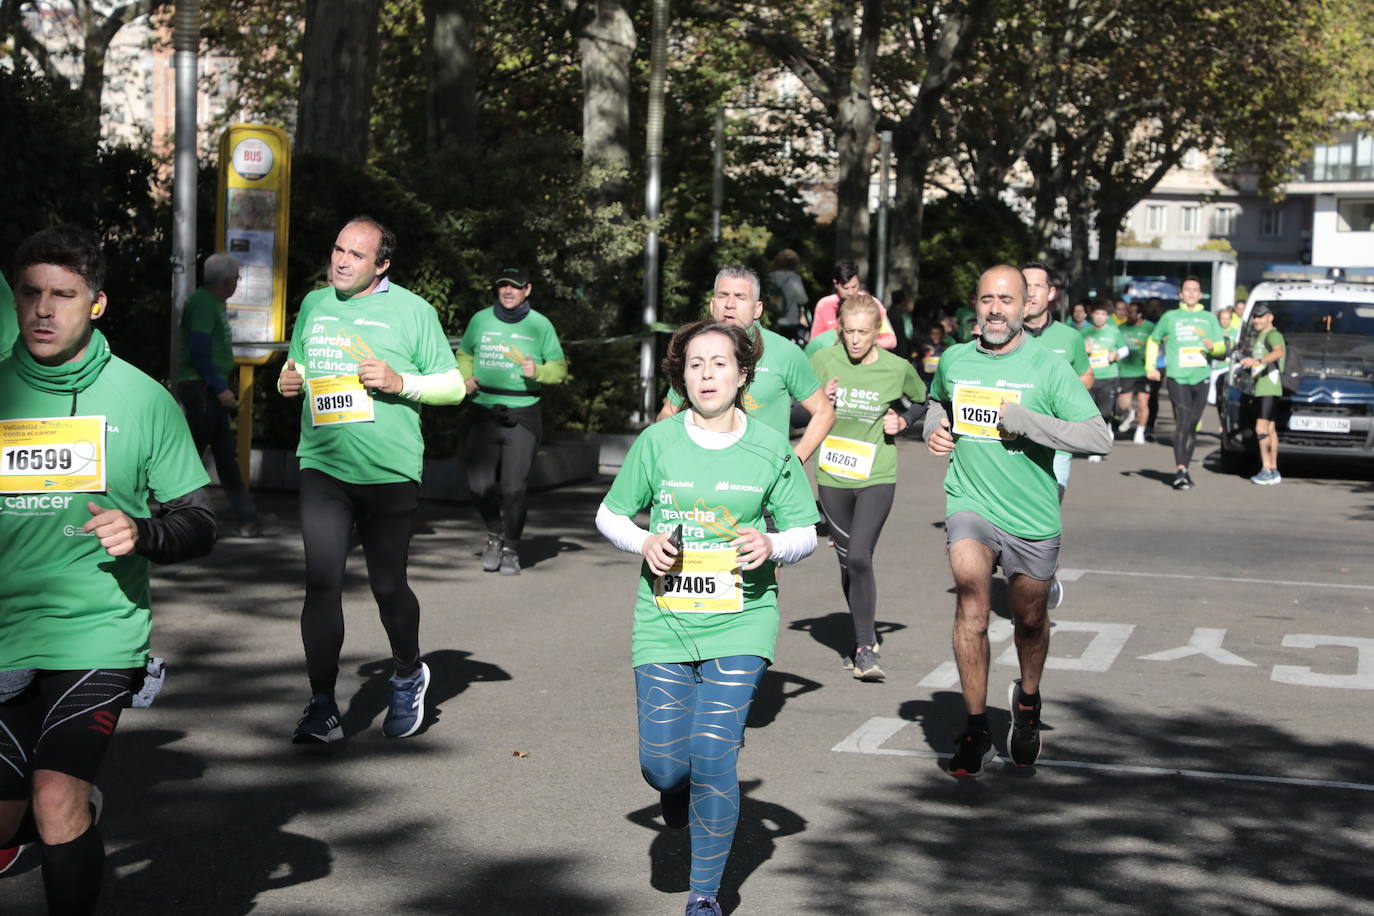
(1181, 331)
(782, 374)
(1135, 335)
(64, 602)
(204, 314)
(1232, 334)
(9, 320)
(496, 348)
(1269, 383)
(856, 449)
(1064, 340)
(1105, 342)
(820, 342)
(331, 337)
(1009, 482)
(712, 493)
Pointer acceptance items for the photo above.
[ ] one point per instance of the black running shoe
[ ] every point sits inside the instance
(1181, 481)
(1023, 737)
(972, 752)
(674, 806)
(866, 666)
(320, 724)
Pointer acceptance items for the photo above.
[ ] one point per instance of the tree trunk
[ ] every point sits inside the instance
(908, 214)
(338, 66)
(1080, 218)
(451, 93)
(606, 46)
(854, 132)
(1108, 225)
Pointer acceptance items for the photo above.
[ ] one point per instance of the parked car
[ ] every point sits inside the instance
(1330, 322)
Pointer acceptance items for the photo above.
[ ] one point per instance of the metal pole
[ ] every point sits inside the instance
(880, 271)
(658, 74)
(186, 41)
(718, 175)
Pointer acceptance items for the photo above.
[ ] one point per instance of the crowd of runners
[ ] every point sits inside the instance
(87, 441)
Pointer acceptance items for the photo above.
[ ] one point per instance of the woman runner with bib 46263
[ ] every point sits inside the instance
(706, 615)
(856, 466)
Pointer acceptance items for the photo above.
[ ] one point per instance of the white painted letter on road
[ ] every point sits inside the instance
(1105, 646)
(1204, 641)
(1362, 679)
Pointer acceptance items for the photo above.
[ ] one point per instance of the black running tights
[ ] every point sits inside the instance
(384, 515)
(856, 518)
(497, 460)
(1189, 401)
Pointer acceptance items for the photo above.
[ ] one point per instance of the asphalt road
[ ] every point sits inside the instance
(1207, 705)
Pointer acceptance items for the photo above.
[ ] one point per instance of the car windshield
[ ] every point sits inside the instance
(1301, 316)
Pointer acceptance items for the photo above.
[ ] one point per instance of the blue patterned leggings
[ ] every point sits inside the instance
(691, 726)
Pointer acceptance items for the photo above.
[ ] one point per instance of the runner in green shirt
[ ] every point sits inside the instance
(856, 467)
(366, 353)
(782, 373)
(98, 439)
(1191, 336)
(1105, 346)
(9, 324)
(706, 615)
(1134, 400)
(509, 352)
(1000, 407)
(1266, 362)
(207, 362)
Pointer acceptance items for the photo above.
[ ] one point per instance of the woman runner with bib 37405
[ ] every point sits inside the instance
(706, 616)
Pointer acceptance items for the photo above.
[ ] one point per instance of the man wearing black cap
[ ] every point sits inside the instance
(508, 353)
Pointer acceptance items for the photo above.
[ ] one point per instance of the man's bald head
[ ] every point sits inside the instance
(1000, 306)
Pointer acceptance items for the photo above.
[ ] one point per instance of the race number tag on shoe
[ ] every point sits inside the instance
(849, 459)
(339, 399)
(976, 411)
(1191, 357)
(52, 455)
(702, 582)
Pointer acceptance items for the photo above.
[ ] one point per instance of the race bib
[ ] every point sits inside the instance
(848, 459)
(1191, 358)
(1098, 359)
(930, 363)
(52, 455)
(339, 399)
(702, 582)
(976, 409)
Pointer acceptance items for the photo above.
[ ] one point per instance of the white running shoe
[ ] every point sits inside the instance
(1056, 596)
(1139, 438)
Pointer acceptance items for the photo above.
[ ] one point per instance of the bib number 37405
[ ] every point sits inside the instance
(338, 399)
(702, 582)
(977, 411)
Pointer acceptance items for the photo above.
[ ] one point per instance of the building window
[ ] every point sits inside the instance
(1364, 157)
(1355, 215)
(1154, 218)
(1192, 220)
(1224, 221)
(1350, 158)
(1271, 222)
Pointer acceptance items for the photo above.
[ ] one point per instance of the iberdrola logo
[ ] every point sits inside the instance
(750, 404)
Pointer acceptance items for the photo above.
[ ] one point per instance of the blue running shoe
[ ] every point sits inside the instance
(702, 905)
(320, 724)
(407, 709)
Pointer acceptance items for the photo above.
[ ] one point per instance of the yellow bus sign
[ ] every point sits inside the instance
(253, 213)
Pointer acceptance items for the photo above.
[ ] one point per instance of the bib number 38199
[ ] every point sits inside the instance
(339, 399)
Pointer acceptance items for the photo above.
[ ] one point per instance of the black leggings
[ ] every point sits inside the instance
(1189, 401)
(856, 518)
(497, 458)
(384, 515)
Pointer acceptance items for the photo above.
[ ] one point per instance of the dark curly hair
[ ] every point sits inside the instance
(66, 246)
(747, 354)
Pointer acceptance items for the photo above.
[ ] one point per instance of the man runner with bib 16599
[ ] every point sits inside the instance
(85, 440)
(1000, 405)
(367, 353)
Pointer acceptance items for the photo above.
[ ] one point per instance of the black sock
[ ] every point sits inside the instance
(1030, 699)
(72, 873)
(26, 832)
(978, 722)
(405, 670)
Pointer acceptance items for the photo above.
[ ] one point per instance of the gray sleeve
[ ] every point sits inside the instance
(1085, 437)
(935, 412)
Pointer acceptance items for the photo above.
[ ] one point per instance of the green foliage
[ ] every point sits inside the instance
(962, 239)
(1217, 245)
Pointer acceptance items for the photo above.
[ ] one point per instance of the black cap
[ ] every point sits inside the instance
(516, 276)
(1260, 309)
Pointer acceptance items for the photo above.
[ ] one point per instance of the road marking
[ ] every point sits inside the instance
(1362, 679)
(1204, 641)
(870, 737)
(1107, 642)
(1073, 575)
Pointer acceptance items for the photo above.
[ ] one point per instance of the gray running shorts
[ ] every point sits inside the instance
(1037, 559)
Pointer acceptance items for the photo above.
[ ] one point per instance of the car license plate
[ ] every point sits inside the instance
(1300, 423)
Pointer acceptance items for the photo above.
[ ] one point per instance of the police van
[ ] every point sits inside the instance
(1329, 320)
